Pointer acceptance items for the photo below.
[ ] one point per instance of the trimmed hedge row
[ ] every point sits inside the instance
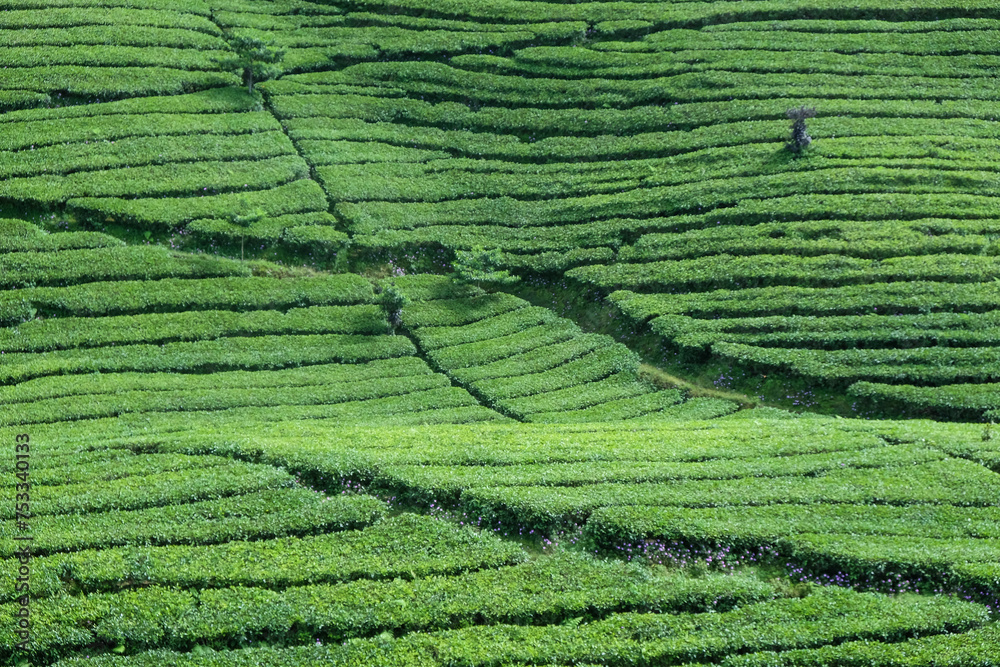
(136, 35)
(299, 196)
(189, 6)
(358, 183)
(122, 297)
(442, 80)
(139, 151)
(958, 401)
(184, 400)
(113, 383)
(614, 387)
(114, 467)
(28, 269)
(555, 237)
(886, 238)
(745, 149)
(889, 336)
(364, 451)
(728, 271)
(128, 122)
(547, 590)
(113, 82)
(822, 618)
(19, 99)
(929, 558)
(233, 100)
(449, 481)
(459, 311)
(881, 41)
(957, 323)
(248, 353)
(515, 11)
(661, 200)
(164, 180)
(540, 62)
(375, 107)
(654, 404)
(849, 300)
(555, 262)
(538, 360)
(79, 332)
(978, 647)
(53, 242)
(432, 406)
(430, 287)
(323, 153)
(949, 482)
(925, 365)
(589, 368)
(64, 17)
(437, 337)
(168, 488)
(316, 239)
(252, 516)
(306, 229)
(753, 526)
(406, 546)
(397, 41)
(958, 25)
(501, 347)
(110, 56)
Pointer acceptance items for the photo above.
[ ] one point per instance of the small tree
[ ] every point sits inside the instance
(481, 266)
(254, 58)
(800, 136)
(393, 301)
(244, 220)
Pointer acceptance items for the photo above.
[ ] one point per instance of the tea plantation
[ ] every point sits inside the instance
(385, 332)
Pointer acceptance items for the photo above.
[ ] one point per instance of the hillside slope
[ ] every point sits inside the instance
(246, 425)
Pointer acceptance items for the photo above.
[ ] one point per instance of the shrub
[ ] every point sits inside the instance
(800, 136)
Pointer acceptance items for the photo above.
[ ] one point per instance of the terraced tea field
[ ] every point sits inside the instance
(303, 356)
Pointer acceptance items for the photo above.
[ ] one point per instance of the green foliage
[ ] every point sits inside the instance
(91, 299)
(824, 618)
(97, 384)
(254, 59)
(66, 333)
(970, 402)
(461, 310)
(935, 482)
(407, 546)
(66, 267)
(254, 515)
(164, 119)
(160, 488)
(977, 647)
(552, 589)
(285, 194)
(641, 150)
(800, 136)
(481, 266)
(493, 349)
(143, 401)
(504, 324)
(393, 301)
(542, 358)
(727, 271)
(33, 239)
(248, 353)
